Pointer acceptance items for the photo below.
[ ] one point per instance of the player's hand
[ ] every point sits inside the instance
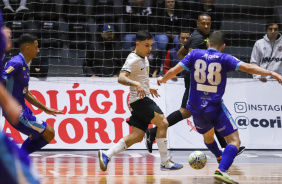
(160, 80)
(263, 79)
(52, 111)
(154, 92)
(140, 91)
(277, 77)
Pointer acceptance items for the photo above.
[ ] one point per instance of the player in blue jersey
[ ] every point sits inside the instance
(15, 165)
(16, 76)
(208, 81)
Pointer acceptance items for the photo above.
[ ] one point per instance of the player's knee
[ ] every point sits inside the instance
(163, 122)
(138, 138)
(49, 134)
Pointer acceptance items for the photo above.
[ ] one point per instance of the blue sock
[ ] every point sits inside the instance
(31, 146)
(214, 149)
(228, 156)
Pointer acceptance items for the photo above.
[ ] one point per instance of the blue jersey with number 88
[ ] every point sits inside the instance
(208, 70)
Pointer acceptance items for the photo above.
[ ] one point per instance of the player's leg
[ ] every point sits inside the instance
(204, 127)
(15, 165)
(161, 122)
(124, 143)
(31, 145)
(227, 128)
(172, 119)
(227, 159)
(212, 145)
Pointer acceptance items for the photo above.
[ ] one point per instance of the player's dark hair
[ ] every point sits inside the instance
(217, 38)
(203, 14)
(26, 38)
(185, 30)
(143, 35)
(270, 23)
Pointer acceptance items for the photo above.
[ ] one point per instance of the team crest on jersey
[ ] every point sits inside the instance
(236, 58)
(280, 48)
(10, 69)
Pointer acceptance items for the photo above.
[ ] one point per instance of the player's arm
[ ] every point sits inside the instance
(32, 100)
(254, 69)
(170, 74)
(182, 53)
(124, 80)
(9, 105)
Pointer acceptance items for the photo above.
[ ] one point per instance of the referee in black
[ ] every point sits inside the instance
(198, 40)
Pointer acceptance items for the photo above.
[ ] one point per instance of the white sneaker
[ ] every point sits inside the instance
(9, 7)
(170, 165)
(21, 8)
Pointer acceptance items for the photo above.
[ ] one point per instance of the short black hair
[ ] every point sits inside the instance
(185, 30)
(143, 35)
(26, 38)
(270, 23)
(202, 15)
(217, 38)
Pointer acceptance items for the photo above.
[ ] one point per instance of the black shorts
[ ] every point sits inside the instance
(187, 89)
(142, 113)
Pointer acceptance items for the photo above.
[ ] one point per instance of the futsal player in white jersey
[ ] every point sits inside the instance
(135, 73)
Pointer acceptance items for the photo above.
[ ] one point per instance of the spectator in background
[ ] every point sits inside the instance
(136, 17)
(104, 57)
(267, 52)
(22, 6)
(171, 57)
(167, 21)
(206, 7)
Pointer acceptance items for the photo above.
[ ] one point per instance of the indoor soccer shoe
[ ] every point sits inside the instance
(170, 165)
(224, 177)
(241, 150)
(103, 159)
(149, 140)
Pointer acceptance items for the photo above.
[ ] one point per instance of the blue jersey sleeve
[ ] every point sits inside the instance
(232, 63)
(11, 68)
(186, 62)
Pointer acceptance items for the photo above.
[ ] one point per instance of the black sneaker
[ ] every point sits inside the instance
(149, 140)
(241, 150)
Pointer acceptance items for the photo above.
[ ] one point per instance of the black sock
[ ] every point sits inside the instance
(220, 139)
(174, 118)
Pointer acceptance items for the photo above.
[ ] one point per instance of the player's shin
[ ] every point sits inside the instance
(31, 146)
(162, 146)
(117, 148)
(228, 157)
(213, 147)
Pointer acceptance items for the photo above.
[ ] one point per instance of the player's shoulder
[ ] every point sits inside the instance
(16, 60)
(133, 57)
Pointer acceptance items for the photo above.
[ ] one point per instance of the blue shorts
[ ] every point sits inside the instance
(221, 120)
(15, 165)
(30, 125)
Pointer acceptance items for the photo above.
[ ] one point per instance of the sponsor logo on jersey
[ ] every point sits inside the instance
(23, 68)
(279, 48)
(10, 69)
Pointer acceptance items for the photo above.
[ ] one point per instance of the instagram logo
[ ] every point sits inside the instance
(240, 107)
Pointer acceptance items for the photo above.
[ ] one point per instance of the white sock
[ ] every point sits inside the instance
(117, 148)
(162, 145)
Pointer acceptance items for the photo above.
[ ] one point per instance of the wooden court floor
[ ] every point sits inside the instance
(139, 166)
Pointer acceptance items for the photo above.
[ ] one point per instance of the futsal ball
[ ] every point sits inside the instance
(197, 160)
